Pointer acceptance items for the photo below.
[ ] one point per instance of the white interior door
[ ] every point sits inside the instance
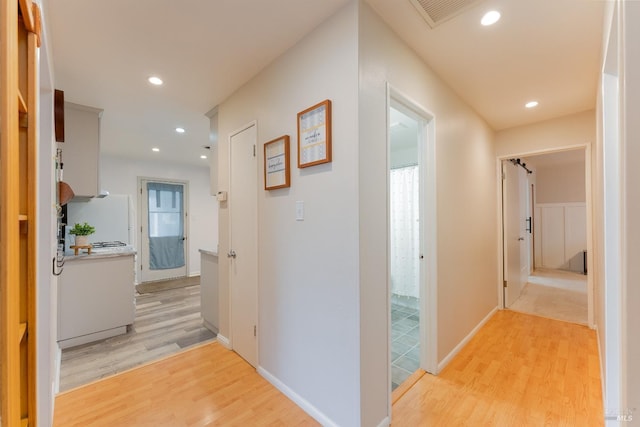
(532, 228)
(515, 242)
(523, 210)
(243, 242)
(163, 245)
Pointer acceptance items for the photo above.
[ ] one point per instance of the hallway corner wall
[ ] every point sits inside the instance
(465, 178)
(308, 293)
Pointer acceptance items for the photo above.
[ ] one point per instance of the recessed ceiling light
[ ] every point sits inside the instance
(180, 130)
(155, 149)
(531, 104)
(155, 80)
(203, 157)
(490, 18)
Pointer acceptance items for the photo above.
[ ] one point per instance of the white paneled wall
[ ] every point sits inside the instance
(560, 235)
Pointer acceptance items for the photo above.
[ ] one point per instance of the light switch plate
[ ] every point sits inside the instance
(299, 210)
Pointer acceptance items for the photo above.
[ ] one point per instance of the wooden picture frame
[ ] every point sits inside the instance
(314, 135)
(277, 168)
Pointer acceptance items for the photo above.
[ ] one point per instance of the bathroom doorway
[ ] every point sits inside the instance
(405, 246)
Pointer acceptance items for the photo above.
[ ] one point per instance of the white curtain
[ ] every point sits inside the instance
(405, 239)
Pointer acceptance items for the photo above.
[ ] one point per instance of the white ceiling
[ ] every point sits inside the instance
(104, 51)
(547, 50)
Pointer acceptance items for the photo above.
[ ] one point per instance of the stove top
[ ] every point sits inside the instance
(112, 244)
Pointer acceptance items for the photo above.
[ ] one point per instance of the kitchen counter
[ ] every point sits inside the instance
(208, 252)
(100, 253)
(96, 296)
(209, 289)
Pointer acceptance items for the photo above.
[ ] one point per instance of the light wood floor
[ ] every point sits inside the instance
(166, 322)
(519, 370)
(205, 386)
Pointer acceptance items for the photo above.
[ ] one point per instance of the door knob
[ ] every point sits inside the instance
(231, 254)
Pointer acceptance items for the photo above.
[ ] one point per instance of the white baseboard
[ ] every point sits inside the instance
(297, 399)
(385, 423)
(193, 274)
(96, 336)
(600, 358)
(464, 342)
(224, 341)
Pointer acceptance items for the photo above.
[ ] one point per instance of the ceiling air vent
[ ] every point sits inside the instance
(435, 12)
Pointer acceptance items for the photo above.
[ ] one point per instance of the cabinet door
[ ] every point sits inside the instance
(81, 149)
(209, 289)
(95, 295)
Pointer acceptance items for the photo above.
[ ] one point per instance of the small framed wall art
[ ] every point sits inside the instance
(314, 135)
(277, 169)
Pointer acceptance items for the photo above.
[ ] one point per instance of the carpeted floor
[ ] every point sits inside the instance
(163, 285)
(555, 295)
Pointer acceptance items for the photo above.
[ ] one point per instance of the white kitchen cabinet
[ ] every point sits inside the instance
(81, 149)
(209, 289)
(96, 298)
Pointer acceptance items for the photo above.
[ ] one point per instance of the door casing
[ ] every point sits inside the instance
(428, 229)
(589, 200)
(143, 273)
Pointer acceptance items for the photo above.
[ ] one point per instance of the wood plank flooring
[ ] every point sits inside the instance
(204, 386)
(166, 322)
(519, 370)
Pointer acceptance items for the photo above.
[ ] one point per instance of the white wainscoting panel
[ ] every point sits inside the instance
(561, 235)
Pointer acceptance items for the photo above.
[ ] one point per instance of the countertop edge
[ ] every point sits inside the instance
(208, 252)
(89, 257)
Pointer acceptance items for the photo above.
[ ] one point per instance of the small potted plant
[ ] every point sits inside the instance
(81, 233)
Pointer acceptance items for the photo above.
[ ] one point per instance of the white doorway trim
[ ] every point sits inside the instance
(142, 221)
(428, 231)
(589, 202)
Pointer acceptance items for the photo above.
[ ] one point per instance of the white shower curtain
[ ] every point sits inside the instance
(405, 239)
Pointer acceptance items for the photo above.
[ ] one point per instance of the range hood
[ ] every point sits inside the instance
(101, 195)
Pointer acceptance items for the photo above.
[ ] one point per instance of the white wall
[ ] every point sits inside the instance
(618, 232)
(561, 183)
(120, 176)
(568, 131)
(47, 283)
(465, 177)
(631, 203)
(308, 270)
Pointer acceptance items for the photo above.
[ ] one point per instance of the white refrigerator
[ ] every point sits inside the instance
(112, 216)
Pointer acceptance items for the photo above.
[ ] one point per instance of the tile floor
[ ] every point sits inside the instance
(405, 343)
